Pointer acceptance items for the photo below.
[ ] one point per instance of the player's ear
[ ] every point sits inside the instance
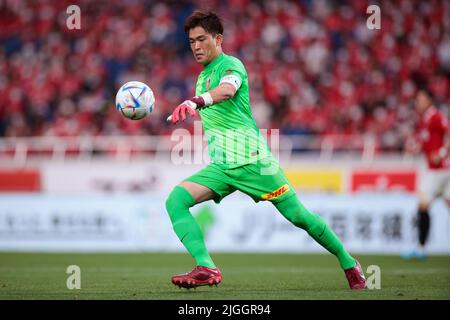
(219, 40)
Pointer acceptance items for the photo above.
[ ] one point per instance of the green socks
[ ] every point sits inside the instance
(185, 226)
(317, 228)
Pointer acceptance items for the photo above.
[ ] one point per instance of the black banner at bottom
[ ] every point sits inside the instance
(223, 309)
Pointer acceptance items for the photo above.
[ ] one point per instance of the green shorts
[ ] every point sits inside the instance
(262, 180)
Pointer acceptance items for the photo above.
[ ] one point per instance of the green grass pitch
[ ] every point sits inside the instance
(246, 276)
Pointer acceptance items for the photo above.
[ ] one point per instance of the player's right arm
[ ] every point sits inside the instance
(227, 88)
(219, 94)
(413, 143)
(222, 92)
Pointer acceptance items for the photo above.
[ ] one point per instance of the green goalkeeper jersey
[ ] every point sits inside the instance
(233, 138)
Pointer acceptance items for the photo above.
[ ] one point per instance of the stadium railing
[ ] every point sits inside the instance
(20, 150)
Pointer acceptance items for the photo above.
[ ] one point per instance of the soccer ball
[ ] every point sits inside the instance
(135, 100)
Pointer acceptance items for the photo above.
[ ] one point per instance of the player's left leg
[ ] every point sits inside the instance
(293, 210)
(272, 185)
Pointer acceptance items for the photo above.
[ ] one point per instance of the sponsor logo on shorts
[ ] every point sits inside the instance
(275, 194)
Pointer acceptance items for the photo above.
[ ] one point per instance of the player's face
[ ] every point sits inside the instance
(204, 45)
(422, 102)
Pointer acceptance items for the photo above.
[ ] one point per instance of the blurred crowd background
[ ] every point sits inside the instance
(314, 66)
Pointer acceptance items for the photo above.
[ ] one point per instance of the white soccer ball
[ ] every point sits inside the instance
(135, 100)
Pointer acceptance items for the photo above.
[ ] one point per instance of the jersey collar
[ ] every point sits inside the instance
(215, 62)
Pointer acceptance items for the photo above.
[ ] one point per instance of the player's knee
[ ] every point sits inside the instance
(292, 210)
(307, 220)
(299, 216)
(170, 203)
(179, 199)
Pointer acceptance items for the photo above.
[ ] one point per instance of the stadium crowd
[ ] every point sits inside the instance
(314, 66)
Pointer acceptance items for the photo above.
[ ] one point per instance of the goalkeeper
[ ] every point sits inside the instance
(222, 99)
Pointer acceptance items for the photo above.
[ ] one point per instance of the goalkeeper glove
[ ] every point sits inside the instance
(190, 106)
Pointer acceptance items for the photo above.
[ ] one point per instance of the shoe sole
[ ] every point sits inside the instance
(188, 284)
(359, 287)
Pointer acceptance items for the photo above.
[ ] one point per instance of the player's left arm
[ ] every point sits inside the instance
(441, 123)
(445, 150)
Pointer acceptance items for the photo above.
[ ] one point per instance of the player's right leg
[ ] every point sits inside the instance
(186, 228)
(207, 184)
(188, 231)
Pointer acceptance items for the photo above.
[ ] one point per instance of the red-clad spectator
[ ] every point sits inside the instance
(314, 65)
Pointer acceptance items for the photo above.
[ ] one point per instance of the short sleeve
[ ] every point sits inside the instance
(233, 73)
(233, 79)
(440, 122)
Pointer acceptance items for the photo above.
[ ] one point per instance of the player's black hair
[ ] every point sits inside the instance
(208, 20)
(426, 90)
(422, 84)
